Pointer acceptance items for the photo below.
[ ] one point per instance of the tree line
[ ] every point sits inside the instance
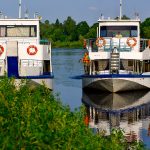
(71, 31)
(68, 31)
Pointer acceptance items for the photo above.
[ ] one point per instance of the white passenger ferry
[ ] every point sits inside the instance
(22, 54)
(118, 59)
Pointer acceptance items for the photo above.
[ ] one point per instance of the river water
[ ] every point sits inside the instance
(65, 65)
(129, 110)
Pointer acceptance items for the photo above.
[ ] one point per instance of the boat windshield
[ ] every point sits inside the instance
(18, 31)
(112, 31)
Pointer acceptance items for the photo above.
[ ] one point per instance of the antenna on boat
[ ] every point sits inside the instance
(136, 15)
(26, 16)
(120, 9)
(1, 15)
(19, 9)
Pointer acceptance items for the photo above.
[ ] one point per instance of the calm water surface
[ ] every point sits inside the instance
(129, 110)
(65, 65)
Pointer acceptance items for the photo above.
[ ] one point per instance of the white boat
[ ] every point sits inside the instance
(22, 54)
(118, 59)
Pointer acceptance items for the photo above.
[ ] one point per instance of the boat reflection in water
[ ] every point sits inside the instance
(129, 111)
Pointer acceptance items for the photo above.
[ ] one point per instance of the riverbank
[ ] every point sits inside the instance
(74, 44)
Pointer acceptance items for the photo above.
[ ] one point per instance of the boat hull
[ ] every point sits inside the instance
(115, 84)
(48, 83)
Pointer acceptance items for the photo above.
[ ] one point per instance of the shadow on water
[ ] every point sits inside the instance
(127, 110)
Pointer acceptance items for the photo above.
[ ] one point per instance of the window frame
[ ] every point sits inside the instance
(131, 29)
(34, 27)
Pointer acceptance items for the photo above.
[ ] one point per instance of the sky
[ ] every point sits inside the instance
(79, 10)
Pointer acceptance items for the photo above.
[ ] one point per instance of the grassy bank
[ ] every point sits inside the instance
(36, 119)
(75, 44)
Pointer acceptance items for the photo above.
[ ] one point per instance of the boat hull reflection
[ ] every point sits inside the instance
(127, 110)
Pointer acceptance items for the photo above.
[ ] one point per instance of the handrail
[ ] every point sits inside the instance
(110, 44)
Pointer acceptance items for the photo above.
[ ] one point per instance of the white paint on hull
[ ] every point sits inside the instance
(116, 84)
(47, 82)
(35, 82)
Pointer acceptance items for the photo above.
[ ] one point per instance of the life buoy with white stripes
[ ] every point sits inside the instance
(100, 42)
(32, 50)
(133, 43)
(1, 50)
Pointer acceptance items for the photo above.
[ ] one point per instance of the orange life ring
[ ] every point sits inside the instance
(32, 50)
(131, 39)
(100, 44)
(1, 50)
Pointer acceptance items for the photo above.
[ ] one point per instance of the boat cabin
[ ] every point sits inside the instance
(118, 48)
(22, 54)
(116, 34)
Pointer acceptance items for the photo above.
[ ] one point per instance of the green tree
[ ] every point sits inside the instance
(58, 35)
(46, 30)
(92, 31)
(47, 22)
(57, 23)
(82, 28)
(124, 17)
(69, 26)
(145, 28)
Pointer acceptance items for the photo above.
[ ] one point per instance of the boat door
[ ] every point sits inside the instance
(12, 59)
(12, 66)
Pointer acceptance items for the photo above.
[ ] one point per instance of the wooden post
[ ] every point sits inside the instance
(91, 67)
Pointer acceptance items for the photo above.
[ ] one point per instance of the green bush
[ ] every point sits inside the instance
(36, 119)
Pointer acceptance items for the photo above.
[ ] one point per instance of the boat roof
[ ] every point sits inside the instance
(119, 20)
(20, 19)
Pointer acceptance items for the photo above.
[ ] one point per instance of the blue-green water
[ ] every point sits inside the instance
(65, 65)
(128, 110)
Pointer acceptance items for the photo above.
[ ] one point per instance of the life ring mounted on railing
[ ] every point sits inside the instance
(1, 50)
(133, 40)
(32, 50)
(100, 42)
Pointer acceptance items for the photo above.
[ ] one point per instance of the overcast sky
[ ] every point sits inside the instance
(79, 10)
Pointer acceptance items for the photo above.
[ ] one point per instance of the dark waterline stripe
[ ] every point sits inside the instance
(111, 76)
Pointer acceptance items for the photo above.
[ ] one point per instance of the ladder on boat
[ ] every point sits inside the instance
(114, 62)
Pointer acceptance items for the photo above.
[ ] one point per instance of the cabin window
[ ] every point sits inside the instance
(2, 31)
(103, 31)
(112, 31)
(33, 31)
(18, 31)
(134, 31)
(130, 63)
